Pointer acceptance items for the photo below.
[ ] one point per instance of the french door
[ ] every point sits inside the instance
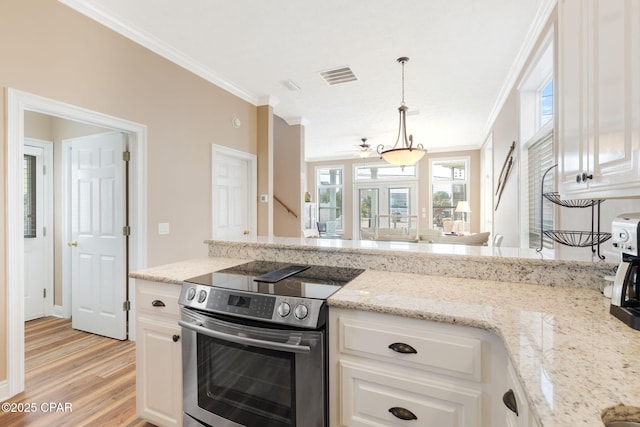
(385, 205)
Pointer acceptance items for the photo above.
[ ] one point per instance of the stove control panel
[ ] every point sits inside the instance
(294, 311)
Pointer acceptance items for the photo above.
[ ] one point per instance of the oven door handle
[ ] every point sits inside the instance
(272, 345)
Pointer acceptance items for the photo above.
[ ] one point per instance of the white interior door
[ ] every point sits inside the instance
(233, 193)
(97, 244)
(38, 250)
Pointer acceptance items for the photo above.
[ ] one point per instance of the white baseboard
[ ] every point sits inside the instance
(58, 311)
(4, 390)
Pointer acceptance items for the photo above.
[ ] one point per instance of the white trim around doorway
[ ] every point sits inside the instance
(17, 103)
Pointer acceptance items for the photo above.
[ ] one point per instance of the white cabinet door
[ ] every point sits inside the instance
(516, 412)
(159, 372)
(158, 353)
(616, 145)
(599, 98)
(573, 94)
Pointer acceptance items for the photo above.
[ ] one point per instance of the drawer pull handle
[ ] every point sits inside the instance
(157, 303)
(175, 338)
(509, 400)
(403, 414)
(400, 347)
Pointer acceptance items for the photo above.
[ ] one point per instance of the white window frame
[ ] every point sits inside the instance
(356, 166)
(467, 181)
(537, 76)
(320, 185)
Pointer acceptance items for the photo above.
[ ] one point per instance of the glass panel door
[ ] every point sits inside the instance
(368, 211)
(385, 207)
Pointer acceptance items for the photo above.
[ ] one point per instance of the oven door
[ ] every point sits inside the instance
(240, 375)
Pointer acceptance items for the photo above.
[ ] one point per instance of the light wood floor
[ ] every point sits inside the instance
(93, 374)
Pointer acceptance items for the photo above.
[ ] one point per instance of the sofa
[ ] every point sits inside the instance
(425, 235)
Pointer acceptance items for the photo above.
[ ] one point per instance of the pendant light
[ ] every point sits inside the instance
(403, 153)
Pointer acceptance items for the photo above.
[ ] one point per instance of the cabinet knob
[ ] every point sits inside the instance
(175, 338)
(403, 348)
(403, 414)
(583, 177)
(509, 400)
(157, 303)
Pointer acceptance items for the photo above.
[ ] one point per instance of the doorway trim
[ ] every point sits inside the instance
(17, 103)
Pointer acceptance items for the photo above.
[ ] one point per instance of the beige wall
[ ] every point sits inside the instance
(49, 50)
(288, 161)
(265, 168)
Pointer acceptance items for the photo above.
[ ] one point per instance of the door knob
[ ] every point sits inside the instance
(246, 232)
(74, 243)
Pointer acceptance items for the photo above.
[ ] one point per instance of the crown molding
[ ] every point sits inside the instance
(269, 100)
(293, 121)
(157, 46)
(535, 32)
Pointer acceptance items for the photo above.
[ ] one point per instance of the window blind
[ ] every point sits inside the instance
(541, 158)
(29, 196)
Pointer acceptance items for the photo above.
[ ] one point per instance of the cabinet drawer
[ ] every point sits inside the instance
(157, 298)
(435, 350)
(369, 396)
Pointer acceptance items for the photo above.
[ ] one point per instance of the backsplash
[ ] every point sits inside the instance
(558, 273)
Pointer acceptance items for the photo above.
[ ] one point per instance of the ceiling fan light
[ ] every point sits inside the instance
(403, 156)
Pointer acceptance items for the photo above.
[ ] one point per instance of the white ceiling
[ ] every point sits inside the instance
(464, 55)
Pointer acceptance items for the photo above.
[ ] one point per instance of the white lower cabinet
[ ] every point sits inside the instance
(371, 396)
(516, 408)
(158, 353)
(388, 370)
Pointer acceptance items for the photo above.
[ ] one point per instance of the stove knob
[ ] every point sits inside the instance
(301, 311)
(191, 294)
(202, 295)
(283, 309)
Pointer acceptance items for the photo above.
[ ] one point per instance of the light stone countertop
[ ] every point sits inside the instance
(573, 357)
(177, 272)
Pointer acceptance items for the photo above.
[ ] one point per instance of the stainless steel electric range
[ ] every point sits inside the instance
(254, 349)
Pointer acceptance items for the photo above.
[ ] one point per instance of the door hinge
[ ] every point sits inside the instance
(44, 169)
(44, 293)
(126, 306)
(126, 156)
(126, 230)
(44, 231)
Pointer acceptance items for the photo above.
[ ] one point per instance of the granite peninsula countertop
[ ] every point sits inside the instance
(573, 358)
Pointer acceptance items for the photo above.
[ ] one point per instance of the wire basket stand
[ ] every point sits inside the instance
(581, 239)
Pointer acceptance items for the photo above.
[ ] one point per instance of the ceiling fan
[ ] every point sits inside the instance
(365, 149)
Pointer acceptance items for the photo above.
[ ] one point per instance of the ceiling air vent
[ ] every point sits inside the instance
(338, 76)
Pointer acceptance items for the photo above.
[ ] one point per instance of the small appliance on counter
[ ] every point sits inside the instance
(625, 295)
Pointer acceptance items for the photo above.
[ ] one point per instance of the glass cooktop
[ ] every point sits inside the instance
(277, 278)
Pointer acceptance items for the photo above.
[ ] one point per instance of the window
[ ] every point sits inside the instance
(329, 184)
(540, 155)
(29, 179)
(449, 184)
(537, 153)
(383, 171)
(545, 99)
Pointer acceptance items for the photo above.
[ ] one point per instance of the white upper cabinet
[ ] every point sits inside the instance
(599, 98)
